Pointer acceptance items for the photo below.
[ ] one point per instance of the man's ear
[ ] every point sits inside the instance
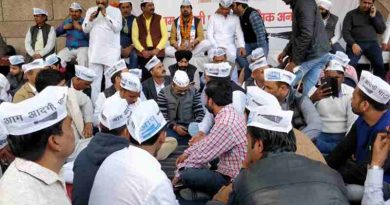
(53, 143)
(259, 146)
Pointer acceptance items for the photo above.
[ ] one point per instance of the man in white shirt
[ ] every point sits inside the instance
(133, 175)
(103, 23)
(373, 194)
(335, 110)
(332, 25)
(40, 39)
(224, 29)
(40, 136)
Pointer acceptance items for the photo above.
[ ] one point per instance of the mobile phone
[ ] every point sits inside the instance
(98, 11)
(329, 82)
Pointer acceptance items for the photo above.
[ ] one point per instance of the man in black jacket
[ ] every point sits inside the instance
(308, 46)
(153, 85)
(274, 174)
(183, 58)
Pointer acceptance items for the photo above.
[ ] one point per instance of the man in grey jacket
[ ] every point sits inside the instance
(308, 46)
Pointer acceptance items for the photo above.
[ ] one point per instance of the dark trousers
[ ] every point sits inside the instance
(203, 180)
(373, 53)
(142, 62)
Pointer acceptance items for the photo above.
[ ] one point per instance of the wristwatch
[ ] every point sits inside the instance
(374, 167)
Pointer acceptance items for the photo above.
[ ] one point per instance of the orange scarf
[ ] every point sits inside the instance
(186, 31)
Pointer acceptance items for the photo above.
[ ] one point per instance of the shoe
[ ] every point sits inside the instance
(191, 195)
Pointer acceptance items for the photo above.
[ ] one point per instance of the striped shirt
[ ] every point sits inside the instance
(226, 141)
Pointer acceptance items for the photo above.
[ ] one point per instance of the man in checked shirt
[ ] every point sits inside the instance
(226, 141)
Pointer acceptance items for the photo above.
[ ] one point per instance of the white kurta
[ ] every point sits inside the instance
(40, 48)
(386, 35)
(131, 176)
(28, 183)
(224, 32)
(104, 36)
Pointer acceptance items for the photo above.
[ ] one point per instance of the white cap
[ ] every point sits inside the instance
(241, 1)
(117, 67)
(278, 75)
(85, 73)
(38, 11)
(219, 70)
(137, 72)
(16, 60)
(145, 121)
(186, 3)
(124, 1)
(115, 112)
(39, 112)
(256, 97)
(181, 79)
(216, 52)
(152, 62)
(146, 1)
(334, 66)
(130, 82)
(260, 63)
(226, 3)
(271, 118)
(36, 64)
(76, 6)
(257, 54)
(52, 59)
(326, 4)
(341, 57)
(374, 87)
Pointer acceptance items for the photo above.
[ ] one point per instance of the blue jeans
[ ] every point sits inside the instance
(373, 53)
(133, 59)
(243, 62)
(203, 180)
(181, 140)
(326, 142)
(310, 72)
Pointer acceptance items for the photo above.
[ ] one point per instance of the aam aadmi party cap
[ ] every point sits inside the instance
(341, 57)
(374, 87)
(85, 73)
(216, 52)
(326, 4)
(130, 82)
(219, 70)
(145, 121)
(38, 11)
(39, 112)
(115, 68)
(257, 54)
(16, 59)
(186, 3)
(152, 62)
(278, 75)
(260, 63)
(137, 72)
(75, 6)
(226, 3)
(36, 64)
(256, 97)
(271, 118)
(117, 117)
(181, 79)
(52, 59)
(146, 1)
(334, 66)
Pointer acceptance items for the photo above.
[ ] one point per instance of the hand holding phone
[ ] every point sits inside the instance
(331, 84)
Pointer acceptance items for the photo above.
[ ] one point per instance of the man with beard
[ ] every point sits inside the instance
(183, 58)
(332, 25)
(149, 35)
(128, 51)
(152, 86)
(370, 101)
(77, 41)
(187, 33)
(15, 75)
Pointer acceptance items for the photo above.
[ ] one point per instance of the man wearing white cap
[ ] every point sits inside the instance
(133, 175)
(149, 35)
(370, 101)
(187, 33)
(103, 23)
(225, 141)
(255, 34)
(15, 75)
(113, 136)
(218, 55)
(128, 51)
(257, 73)
(53, 61)
(306, 118)
(40, 136)
(224, 29)
(77, 41)
(284, 174)
(28, 89)
(332, 25)
(83, 79)
(180, 104)
(40, 39)
(334, 108)
(152, 86)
